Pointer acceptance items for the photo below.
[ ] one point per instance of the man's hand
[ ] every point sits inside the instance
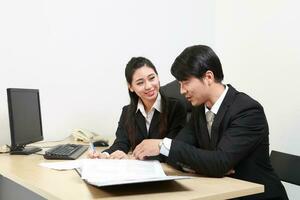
(149, 147)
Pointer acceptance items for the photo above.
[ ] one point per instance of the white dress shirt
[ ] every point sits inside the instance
(148, 116)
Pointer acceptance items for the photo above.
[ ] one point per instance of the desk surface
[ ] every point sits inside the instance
(53, 184)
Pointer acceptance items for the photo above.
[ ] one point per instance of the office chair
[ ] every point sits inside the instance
(172, 89)
(286, 166)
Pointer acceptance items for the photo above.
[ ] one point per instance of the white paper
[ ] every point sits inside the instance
(105, 170)
(63, 165)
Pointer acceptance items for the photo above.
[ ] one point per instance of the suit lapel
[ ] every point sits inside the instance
(140, 120)
(215, 130)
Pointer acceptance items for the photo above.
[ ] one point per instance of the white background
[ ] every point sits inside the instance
(75, 53)
(259, 46)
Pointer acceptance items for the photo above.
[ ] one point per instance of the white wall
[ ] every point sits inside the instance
(258, 43)
(75, 52)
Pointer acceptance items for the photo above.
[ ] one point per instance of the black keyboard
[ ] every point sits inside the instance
(65, 151)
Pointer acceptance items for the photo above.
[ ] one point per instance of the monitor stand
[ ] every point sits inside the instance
(22, 150)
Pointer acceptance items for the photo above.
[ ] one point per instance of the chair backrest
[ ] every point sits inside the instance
(172, 89)
(287, 166)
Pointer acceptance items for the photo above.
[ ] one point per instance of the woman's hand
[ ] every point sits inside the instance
(118, 155)
(95, 154)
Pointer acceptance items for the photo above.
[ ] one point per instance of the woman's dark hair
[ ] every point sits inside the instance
(130, 122)
(195, 61)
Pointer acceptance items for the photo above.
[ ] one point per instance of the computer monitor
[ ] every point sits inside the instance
(25, 119)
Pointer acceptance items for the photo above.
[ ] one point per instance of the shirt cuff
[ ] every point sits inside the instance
(165, 147)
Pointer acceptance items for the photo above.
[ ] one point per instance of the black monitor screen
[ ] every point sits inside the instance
(24, 116)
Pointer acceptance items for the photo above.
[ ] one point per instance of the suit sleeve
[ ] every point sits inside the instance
(245, 131)
(121, 142)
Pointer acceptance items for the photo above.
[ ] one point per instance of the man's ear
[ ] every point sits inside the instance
(210, 77)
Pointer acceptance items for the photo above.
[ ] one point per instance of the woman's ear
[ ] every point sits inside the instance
(130, 88)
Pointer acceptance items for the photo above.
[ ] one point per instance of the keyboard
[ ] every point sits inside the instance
(65, 151)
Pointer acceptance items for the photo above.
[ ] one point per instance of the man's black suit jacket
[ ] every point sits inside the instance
(176, 120)
(239, 141)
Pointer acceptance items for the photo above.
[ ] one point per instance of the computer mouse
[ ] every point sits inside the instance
(101, 143)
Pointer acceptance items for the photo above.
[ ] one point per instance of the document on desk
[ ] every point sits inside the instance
(105, 172)
(108, 172)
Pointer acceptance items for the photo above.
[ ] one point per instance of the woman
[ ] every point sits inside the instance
(150, 114)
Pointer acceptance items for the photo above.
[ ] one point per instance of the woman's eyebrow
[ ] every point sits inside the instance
(153, 74)
(140, 79)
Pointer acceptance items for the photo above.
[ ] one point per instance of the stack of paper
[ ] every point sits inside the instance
(105, 172)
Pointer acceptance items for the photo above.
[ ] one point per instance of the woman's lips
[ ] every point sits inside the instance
(150, 93)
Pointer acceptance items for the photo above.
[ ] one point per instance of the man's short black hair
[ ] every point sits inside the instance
(195, 61)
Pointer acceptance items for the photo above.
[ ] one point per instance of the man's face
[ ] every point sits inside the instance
(195, 90)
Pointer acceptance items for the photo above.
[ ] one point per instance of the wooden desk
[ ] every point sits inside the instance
(52, 184)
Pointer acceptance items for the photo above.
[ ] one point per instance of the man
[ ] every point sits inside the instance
(227, 133)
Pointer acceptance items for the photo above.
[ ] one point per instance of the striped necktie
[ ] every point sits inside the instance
(209, 119)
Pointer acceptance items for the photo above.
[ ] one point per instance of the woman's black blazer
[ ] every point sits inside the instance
(176, 119)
